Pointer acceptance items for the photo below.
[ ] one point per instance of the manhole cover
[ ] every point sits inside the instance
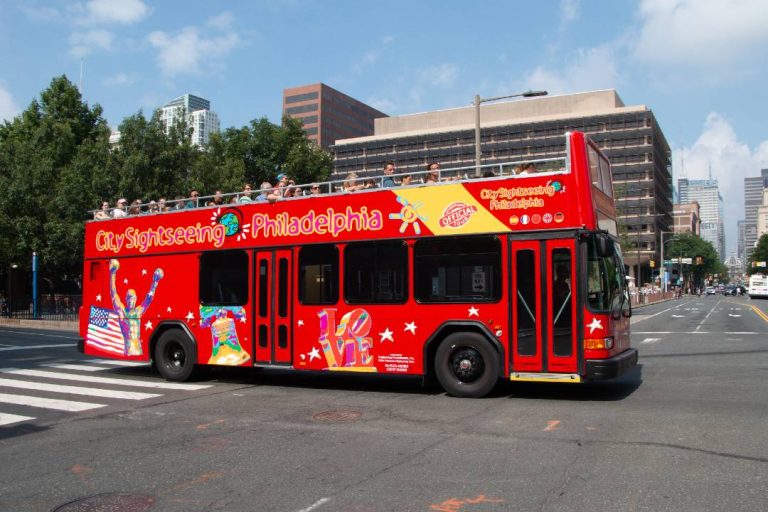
(337, 416)
(110, 502)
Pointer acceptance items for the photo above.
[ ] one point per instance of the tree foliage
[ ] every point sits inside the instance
(705, 261)
(760, 254)
(56, 164)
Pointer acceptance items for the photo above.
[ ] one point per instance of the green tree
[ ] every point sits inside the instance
(760, 254)
(49, 155)
(705, 260)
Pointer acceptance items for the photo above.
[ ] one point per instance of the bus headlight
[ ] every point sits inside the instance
(598, 343)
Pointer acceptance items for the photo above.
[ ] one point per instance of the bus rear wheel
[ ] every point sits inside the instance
(467, 365)
(175, 355)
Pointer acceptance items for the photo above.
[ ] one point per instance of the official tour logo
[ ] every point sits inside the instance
(456, 215)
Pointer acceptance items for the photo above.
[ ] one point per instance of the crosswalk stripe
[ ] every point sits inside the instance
(114, 362)
(7, 419)
(48, 403)
(79, 367)
(75, 390)
(104, 380)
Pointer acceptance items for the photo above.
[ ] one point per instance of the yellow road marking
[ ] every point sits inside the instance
(759, 312)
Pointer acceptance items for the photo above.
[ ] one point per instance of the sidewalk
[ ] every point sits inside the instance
(39, 324)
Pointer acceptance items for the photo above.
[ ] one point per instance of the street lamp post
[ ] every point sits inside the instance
(478, 101)
(663, 265)
(11, 268)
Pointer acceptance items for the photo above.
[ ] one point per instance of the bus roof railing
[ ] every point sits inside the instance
(553, 165)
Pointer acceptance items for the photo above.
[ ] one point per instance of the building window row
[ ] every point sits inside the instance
(301, 97)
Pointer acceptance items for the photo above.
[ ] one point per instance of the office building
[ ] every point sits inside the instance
(762, 217)
(742, 240)
(200, 118)
(534, 128)
(687, 218)
(753, 198)
(327, 114)
(707, 194)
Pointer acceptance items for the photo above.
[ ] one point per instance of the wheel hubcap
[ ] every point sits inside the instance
(176, 356)
(467, 364)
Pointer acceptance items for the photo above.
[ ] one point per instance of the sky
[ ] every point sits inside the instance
(698, 64)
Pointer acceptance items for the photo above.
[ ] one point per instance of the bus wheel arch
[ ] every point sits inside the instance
(464, 359)
(174, 351)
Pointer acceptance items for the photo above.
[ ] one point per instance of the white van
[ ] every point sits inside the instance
(758, 286)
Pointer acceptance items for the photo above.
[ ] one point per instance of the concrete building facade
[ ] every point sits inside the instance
(327, 114)
(534, 128)
(753, 199)
(707, 194)
(687, 218)
(200, 118)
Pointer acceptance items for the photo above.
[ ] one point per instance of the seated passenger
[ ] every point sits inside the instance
(246, 197)
(351, 183)
(406, 180)
(433, 173)
(389, 170)
(119, 210)
(268, 194)
(192, 201)
(314, 189)
(103, 212)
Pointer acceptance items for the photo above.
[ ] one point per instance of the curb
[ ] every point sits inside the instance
(53, 325)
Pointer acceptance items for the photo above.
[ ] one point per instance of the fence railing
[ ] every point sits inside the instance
(56, 307)
(641, 298)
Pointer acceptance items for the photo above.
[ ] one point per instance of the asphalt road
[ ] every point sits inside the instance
(686, 431)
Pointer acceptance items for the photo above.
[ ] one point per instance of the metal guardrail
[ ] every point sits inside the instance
(58, 308)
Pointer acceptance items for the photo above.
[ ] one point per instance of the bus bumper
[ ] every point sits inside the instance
(598, 369)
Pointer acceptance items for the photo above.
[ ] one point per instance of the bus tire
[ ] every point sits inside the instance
(175, 355)
(467, 365)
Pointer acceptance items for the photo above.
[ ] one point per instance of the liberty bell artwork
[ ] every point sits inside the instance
(226, 348)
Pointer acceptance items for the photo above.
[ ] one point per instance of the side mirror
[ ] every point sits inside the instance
(605, 247)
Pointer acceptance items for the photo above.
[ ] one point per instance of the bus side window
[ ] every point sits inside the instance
(224, 278)
(376, 273)
(319, 274)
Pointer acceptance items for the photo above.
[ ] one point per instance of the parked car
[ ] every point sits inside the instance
(710, 290)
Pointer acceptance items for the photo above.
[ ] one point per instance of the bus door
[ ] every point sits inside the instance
(543, 307)
(273, 292)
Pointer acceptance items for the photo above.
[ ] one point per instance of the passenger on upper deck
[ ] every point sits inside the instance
(314, 189)
(406, 180)
(135, 208)
(119, 210)
(389, 170)
(268, 194)
(433, 173)
(102, 213)
(192, 202)
(351, 184)
(246, 197)
(529, 168)
(218, 198)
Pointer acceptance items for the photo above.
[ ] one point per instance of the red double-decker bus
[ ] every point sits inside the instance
(469, 280)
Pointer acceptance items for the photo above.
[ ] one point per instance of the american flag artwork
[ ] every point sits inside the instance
(104, 331)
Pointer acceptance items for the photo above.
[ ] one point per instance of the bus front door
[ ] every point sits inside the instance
(273, 292)
(543, 306)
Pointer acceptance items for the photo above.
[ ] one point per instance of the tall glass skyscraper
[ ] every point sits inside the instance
(707, 194)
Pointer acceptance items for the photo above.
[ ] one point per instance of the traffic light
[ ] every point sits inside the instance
(653, 264)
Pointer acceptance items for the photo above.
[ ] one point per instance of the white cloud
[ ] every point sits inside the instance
(41, 13)
(443, 75)
(8, 107)
(222, 22)
(569, 11)
(701, 33)
(84, 43)
(184, 52)
(587, 70)
(718, 147)
(124, 12)
(120, 79)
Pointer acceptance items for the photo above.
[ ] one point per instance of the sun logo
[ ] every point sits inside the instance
(409, 214)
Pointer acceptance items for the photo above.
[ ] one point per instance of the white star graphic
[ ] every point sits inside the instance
(125, 281)
(410, 326)
(168, 309)
(143, 271)
(386, 335)
(98, 298)
(302, 356)
(473, 311)
(596, 324)
(190, 316)
(300, 323)
(242, 319)
(148, 325)
(314, 353)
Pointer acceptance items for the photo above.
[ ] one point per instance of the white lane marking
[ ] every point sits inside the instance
(653, 315)
(48, 403)
(315, 505)
(40, 334)
(37, 347)
(710, 312)
(678, 316)
(7, 419)
(104, 380)
(78, 367)
(650, 340)
(115, 362)
(735, 316)
(74, 390)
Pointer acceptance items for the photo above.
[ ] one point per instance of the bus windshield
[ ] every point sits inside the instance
(605, 276)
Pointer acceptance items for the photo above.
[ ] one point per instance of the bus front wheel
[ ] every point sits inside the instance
(175, 355)
(467, 365)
